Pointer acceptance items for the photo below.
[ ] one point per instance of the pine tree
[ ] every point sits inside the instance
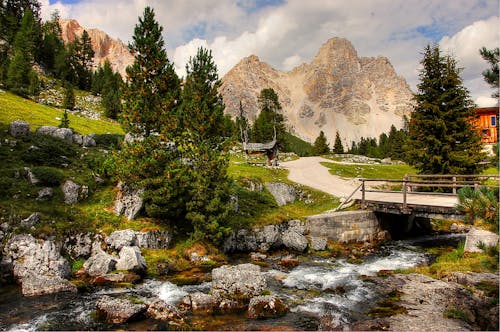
(52, 43)
(321, 144)
(270, 123)
(441, 137)
(153, 89)
(85, 57)
(202, 109)
(19, 71)
(337, 146)
(491, 75)
(69, 97)
(64, 121)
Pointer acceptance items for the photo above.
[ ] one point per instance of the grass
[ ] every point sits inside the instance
(13, 107)
(370, 171)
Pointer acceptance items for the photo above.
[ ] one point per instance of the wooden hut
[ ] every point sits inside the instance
(270, 149)
(487, 124)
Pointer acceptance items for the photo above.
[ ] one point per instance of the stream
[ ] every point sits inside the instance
(316, 288)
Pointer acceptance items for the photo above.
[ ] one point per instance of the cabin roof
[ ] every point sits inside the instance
(259, 146)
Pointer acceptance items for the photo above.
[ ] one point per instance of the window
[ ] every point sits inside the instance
(493, 120)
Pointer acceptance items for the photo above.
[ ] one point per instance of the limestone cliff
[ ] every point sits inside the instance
(105, 47)
(337, 91)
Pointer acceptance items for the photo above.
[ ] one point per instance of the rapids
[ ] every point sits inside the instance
(316, 288)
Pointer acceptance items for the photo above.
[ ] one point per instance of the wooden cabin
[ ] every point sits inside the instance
(270, 149)
(487, 124)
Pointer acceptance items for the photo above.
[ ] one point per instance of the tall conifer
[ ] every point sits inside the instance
(153, 88)
(442, 139)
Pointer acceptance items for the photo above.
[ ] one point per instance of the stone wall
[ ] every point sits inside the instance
(347, 226)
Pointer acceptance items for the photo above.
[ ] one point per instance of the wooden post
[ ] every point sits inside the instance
(363, 205)
(407, 178)
(454, 185)
(405, 189)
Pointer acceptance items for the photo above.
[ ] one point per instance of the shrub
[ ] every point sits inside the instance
(48, 176)
(108, 140)
(479, 205)
(48, 151)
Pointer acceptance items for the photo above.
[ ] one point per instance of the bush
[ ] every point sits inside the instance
(479, 205)
(298, 146)
(48, 176)
(108, 140)
(6, 186)
(48, 151)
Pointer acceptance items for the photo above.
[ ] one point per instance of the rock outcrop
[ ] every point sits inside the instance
(128, 201)
(337, 91)
(19, 128)
(37, 265)
(118, 311)
(105, 47)
(476, 236)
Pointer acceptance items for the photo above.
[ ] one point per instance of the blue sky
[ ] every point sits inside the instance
(287, 33)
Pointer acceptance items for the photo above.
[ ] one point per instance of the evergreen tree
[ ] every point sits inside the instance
(441, 137)
(85, 58)
(337, 146)
(19, 71)
(153, 89)
(491, 75)
(64, 121)
(270, 123)
(108, 84)
(321, 144)
(52, 43)
(202, 109)
(69, 97)
(11, 16)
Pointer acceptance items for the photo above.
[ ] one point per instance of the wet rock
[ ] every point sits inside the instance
(32, 220)
(131, 260)
(119, 239)
(476, 236)
(114, 278)
(100, 263)
(160, 310)
(317, 243)
(456, 228)
(129, 201)
(282, 192)
(228, 305)
(257, 256)
(199, 303)
(289, 262)
(244, 281)
(45, 193)
(36, 285)
(19, 128)
(118, 311)
(266, 307)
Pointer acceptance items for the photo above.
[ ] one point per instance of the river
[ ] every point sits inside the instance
(319, 287)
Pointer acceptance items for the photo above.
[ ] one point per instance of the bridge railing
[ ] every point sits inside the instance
(412, 182)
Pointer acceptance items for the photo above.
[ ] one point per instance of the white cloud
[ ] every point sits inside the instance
(285, 34)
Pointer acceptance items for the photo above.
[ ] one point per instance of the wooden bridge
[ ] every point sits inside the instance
(415, 195)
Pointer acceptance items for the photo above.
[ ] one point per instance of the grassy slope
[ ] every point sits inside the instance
(13, 107)
(370, 171)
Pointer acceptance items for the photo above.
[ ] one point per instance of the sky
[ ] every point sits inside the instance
(287, 33)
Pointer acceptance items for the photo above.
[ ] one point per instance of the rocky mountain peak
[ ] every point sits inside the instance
(337, 91)
(105, 47)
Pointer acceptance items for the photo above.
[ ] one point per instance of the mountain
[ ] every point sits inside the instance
(337, 91)
(105, 47)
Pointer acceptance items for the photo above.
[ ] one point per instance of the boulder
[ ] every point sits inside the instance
(153, 239)
(19, 128)
(160, 310)
(88, 141)
(268, 306)
(32, 220)
(118, 311)
(119, 239)
(36, 285)
(46, 130)
(64, 134)
(114, 278)
(79, 245)
(100, 263)
(317, 243)
(131, 260)
(71, 192)
(476, 236)
(78, 139)
(268, 237)
(199, 302)
(282, 192)
(45, 193)
(37, 265)
(293, 237)
(129, 201)
(244, 281)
